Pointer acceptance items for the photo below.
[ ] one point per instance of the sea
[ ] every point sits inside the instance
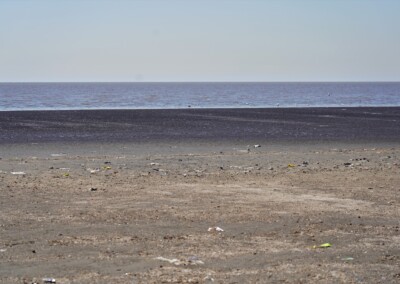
(75, 96)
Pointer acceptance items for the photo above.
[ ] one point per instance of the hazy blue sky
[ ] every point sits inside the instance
(188, 40)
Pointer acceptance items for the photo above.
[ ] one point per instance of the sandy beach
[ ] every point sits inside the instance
(200, 196)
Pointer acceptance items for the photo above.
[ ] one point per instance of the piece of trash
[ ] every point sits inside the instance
(18, 173)
(325, 245)
(194, 260)
(208, 279)
(347, 164)
(49, 280)
(58, 155)
(172, 261)
(257, 146)
(3, 250)
(66, 174)
(93, 189)
(291, 165)
(191, 261)
(107, 163)
(347, 258)
(154, 164)
(106, 168)
(93, 171)
(215, 229)
(65, 169)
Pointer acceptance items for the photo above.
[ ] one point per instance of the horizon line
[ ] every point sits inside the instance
(122, 82)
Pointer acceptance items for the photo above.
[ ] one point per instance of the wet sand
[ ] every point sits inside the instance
(98, 196)
(243, 125)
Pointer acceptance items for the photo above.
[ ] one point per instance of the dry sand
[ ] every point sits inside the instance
(146, 201)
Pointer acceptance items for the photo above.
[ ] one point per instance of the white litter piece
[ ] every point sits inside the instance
(18, 173)
(154, 164)
(173, 260)
(215, 229)
(190, 261)
(93, 171)
(257, 146)
(3, 250)
(59, 155)
(194, 260)
(208, 279)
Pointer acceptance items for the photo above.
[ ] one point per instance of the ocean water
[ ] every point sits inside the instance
(70, 96)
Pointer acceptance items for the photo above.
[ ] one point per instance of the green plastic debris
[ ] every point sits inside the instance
(325, 245)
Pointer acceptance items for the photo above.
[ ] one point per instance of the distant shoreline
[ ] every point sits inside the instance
(199, 108)
(203, 124)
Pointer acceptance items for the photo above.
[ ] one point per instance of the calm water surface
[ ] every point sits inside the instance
(57, 96)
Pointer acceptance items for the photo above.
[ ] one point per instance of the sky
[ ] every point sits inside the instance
(189, 40)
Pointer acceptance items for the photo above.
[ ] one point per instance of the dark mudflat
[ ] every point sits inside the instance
(278, 124)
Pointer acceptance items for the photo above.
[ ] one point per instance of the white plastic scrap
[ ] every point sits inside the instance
(93, 171)
(58, 155)
(18, 173)
(194, 260)
(208, 279)
(215, 229)
(257, 146)
(49, 280)
(190, 261)
(173, 260)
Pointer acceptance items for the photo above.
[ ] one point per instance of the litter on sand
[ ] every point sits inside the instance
(106, 168)
(291, 165)
(58, 155)
(194, 260)
(215, 229)
(49, 280)
(172, 260)
(175, 261)
(208, 279)
(93, 171)
(18, 173)
(257, 146)
(347, 258)
(325, 245)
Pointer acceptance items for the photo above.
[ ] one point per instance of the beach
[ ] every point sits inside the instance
(301, 195)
